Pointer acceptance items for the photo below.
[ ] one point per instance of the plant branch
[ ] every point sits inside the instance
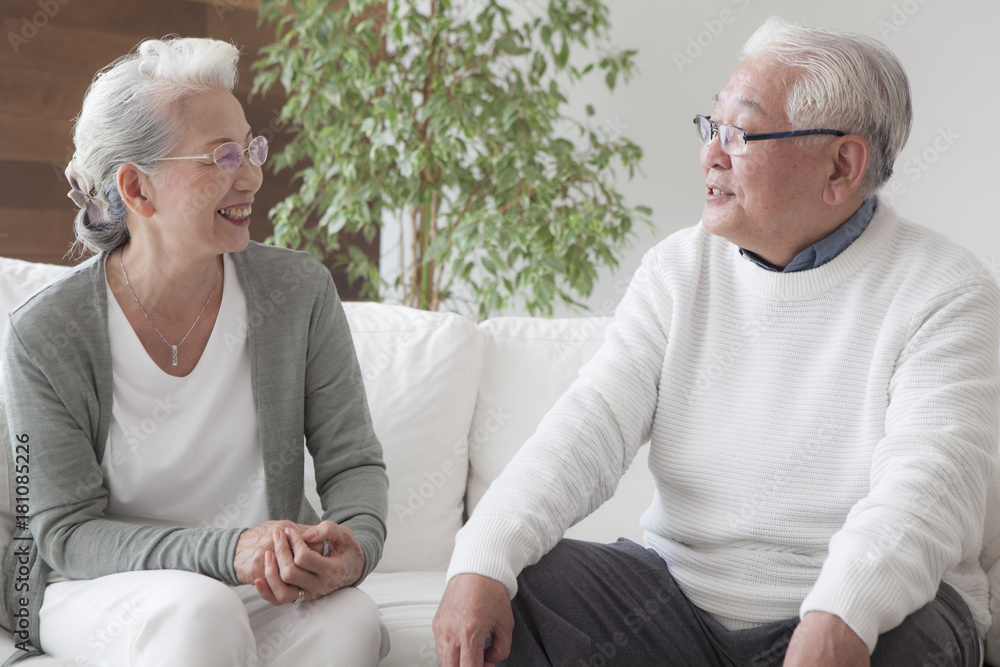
(455, 123)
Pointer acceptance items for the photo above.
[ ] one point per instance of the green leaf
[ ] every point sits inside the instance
(458, 116)
(553, 264)
(332, 221)
(490, 265)
(562, 57)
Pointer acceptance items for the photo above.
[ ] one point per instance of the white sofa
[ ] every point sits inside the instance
(451, 402)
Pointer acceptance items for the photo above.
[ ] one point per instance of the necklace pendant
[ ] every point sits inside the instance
(173, 349)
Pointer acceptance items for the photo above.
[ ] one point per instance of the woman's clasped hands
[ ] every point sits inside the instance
(283, 559)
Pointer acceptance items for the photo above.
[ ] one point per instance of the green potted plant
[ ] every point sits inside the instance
(450, 119)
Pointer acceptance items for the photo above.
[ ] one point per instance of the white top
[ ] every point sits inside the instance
(185, 450)
(819, 440)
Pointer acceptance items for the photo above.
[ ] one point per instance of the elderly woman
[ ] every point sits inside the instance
(168, 524)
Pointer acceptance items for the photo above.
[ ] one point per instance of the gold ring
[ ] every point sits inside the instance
(302, 594)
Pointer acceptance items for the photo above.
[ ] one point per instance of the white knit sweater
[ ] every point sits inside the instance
(820, 440)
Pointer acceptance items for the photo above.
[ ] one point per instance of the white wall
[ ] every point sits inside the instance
(947, 175)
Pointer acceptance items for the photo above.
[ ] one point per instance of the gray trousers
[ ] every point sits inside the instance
(596, 605)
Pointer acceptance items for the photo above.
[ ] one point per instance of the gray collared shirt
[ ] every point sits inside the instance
(827, 248)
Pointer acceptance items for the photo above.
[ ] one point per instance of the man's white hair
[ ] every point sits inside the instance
(848, 82)
(129, 115)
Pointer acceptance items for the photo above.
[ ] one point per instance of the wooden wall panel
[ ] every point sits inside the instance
(47, 61)
(142, 18)
(34, 185)
(64, 49)
(41, 94)
(36, 216)
(34, 139)
(40, 234)
(223, 5)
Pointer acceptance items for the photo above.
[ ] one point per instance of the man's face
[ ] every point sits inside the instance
(765, 199)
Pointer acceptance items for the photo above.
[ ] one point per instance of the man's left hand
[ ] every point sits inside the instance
(824, 640)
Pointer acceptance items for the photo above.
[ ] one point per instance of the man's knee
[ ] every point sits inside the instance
(567, 560)
(552, 578)
(942, 632)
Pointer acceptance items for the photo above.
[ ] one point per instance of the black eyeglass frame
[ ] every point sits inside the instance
(747, 137)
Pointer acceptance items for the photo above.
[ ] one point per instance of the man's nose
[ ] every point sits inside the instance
(712, 154)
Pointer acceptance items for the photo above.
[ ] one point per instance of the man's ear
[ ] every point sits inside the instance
(136, 190)
(849, 164)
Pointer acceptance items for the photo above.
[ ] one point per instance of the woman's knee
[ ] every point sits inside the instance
(150, 618)
(196, 620)
(349, 624)
(185, 597)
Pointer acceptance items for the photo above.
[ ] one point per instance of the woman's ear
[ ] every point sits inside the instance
(135, 188)
(849, 162)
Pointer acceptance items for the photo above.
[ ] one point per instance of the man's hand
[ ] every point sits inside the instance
(473, 609)
(824, 640)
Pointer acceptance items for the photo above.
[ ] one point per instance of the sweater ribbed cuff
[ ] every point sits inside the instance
(226, 568)
(370, 534)
(492, 547)
(862, 595)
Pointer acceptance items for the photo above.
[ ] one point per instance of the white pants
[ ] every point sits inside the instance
(166, 618)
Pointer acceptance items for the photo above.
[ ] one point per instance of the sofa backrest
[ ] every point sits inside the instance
(18, 281)
(453, 402)
(422, 372)
(529, 363)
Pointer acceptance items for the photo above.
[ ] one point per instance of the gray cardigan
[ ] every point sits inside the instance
(306, 382)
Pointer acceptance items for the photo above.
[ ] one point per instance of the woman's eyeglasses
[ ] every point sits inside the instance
(229, 156)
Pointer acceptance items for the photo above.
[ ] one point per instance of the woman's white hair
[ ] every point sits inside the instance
(848, 82)
(129, 116)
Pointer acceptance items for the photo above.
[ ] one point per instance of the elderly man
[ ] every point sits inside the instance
(818, 382)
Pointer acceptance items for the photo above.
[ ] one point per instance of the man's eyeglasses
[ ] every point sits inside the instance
(734, 139)
(229, 156)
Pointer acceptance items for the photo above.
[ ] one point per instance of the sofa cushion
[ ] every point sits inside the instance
(514, 396)
(421, 373)
(18, 281)
(407, 602)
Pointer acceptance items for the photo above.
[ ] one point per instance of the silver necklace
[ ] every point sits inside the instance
(173, 348)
